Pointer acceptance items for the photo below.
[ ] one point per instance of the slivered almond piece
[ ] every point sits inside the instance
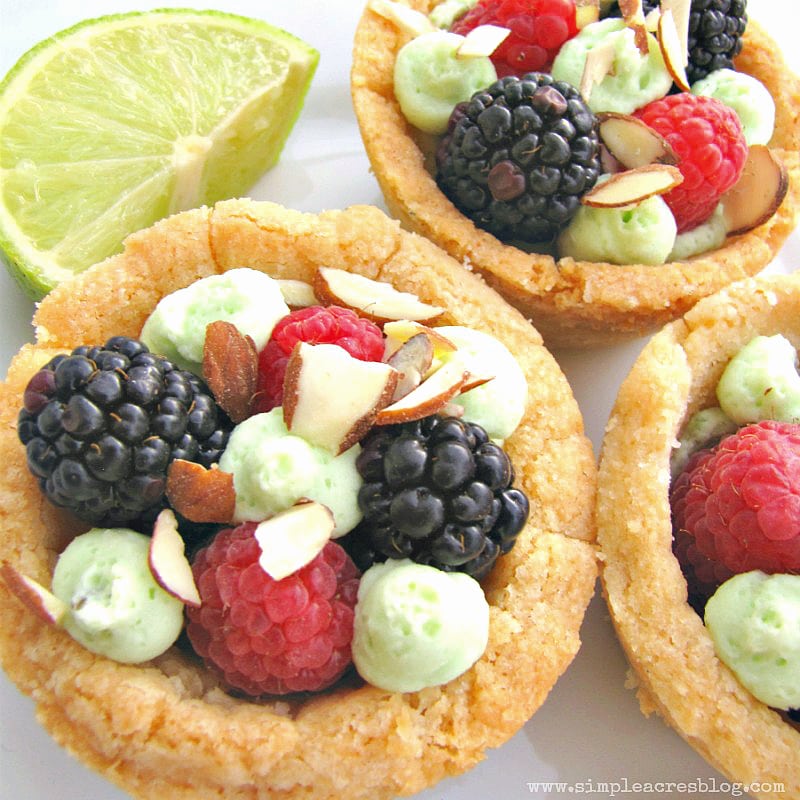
(633, 186)
(297, 294)
(671, 49)
(599, 63)
(633, 14)
(34, 596)
(681, 11)
(167, 560)
(399, 331)
(632, 142)
(482, 41)
(375, 300)
(586, 12)
(758, 193)
(330, 398)
(408, 20)
(200, 494)
(412, 360)
(230, 368)
(428, 398)
(651, 20)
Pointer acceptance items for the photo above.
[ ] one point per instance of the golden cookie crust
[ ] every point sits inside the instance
(676, 668)
(573, 304)
(164, 729)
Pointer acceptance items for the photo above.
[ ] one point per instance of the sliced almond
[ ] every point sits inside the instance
(758, 193)
(200, 494)
(681, 11)
(297, 294)
(651, 20)
(168, 562)
(586, 12)
(408, 20)
(672, 49)
(482, 41)
(293, 538)
(633, 13)
(375, 300)
(428, 398)
(332, 399)
(399, 331)
(633, 142)
(599, 63)
(412, 360)
(230, 368)
(34, 596)
(633, 186)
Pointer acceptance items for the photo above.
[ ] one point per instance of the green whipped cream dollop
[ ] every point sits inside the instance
(754, 621)
(708, 235)
(272, 469)
(116, 607)
(417, 626)
(761, 382)
(498, 405)
(247, 298)
(430, 79)
(634, 80)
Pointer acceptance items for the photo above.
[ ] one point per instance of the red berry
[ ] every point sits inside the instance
(538, 29)
(736, 507)
(315, 325)
(708, 139)
(266, 636)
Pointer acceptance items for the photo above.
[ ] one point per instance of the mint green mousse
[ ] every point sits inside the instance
(417, 626)
(247, 298)
(116, 607)
(272, 469)
(754, 620)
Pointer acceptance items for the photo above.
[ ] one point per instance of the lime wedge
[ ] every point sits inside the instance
(119, 121)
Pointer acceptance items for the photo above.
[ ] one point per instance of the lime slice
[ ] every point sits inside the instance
(119, 121)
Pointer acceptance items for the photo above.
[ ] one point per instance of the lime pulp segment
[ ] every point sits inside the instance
(119, 121)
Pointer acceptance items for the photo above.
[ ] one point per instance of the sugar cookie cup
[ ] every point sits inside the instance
(165, 728)
(672, 654)
(573, 304)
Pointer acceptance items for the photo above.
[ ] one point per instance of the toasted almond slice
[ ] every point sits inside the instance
(297, 294)
(482, 41)
(599, 63)
(633, 186)
(758, 193)
(586, 12)
(633, 142)
(375, 300)
(672, 50)
(408, 20)
(330, 398)
(651, 20)
(428, 398)
(681, 11)
(633, 14)
(200, 494)
(399, 331)
(293, 538)
(168, 563)
(34, 596)
(412, 360)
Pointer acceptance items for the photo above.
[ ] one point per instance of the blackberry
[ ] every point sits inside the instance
(102, 424)
(715, 33)
(519, 155)
(439, 492)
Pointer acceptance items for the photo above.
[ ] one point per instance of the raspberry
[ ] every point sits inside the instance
(315, 325)
(538, 29)
(708, 138)
(736, 506)
(266, 636)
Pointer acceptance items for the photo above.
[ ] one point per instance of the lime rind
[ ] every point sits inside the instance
(153, 147)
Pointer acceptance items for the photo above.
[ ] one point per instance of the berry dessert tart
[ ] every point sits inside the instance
(602, 165)
(283, 515)
(698, 528)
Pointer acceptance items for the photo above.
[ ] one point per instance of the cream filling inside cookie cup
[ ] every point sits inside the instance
(675, 665)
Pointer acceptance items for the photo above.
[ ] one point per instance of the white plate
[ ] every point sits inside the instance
(589, 736)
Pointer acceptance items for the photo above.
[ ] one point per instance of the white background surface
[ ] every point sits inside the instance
(590, 729)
